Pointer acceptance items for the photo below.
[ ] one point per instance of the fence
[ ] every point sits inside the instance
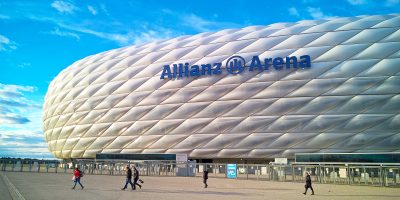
(332, 174)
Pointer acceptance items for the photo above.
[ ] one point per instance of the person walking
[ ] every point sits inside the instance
(205, 177)
(77, 177)
(136, 178)
(128, 178)
(308, 184)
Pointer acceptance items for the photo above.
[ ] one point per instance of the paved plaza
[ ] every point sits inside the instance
(42, 186)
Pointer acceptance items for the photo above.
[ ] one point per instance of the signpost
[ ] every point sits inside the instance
(281, 161)
(231, 171)
(181, 158)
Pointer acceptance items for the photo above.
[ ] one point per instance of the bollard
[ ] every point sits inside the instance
(247, 171)
(292, 173)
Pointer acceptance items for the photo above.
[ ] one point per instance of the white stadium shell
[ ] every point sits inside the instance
(146, 99)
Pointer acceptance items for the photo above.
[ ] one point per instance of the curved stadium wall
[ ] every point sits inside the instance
(127, 101)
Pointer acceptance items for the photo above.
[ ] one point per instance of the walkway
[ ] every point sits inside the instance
(43, 186)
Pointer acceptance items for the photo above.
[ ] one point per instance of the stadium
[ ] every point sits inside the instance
(259, 92)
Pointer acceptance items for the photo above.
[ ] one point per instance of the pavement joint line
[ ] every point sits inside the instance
(11, 187)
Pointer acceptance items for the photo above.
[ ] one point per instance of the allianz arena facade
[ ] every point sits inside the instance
(306, 87)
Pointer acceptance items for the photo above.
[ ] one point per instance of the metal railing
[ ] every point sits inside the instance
(354, 174)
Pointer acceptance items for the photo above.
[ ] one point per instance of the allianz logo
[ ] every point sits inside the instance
(235, 65)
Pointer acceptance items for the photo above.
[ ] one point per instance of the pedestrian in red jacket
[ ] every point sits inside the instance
(77, 177)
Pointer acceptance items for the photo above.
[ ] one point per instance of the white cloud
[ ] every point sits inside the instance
(141, 34)
(104, 9)
(92, 10)
(197, 22)
(316, 13)
(120, 38)
(151, 35)
(203, 25)
(24, 64)
(14, 104)
(23, 147)
(131, 37)
(293, 11)
(21, 132)
(16, 88)
(13, 119)
(357, 2)
(64, 7)
(26, 152)
(7, 44)
(60, 33)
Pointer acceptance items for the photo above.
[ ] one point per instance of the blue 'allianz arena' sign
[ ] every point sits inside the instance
(231, 171)
(235, 65)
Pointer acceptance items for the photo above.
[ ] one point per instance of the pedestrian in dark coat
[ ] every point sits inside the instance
(308, 184)
(136, 178)
(128, 178)
(205, 177)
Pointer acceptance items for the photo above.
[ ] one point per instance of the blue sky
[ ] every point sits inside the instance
(40, 38)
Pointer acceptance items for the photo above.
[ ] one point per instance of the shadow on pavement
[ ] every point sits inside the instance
(261, 189)
(358, 195)
(173, 191)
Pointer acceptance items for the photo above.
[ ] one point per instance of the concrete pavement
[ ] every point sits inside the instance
(4, 192)
(43, 186)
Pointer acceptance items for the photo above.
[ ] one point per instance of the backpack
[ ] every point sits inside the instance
(81, 173)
